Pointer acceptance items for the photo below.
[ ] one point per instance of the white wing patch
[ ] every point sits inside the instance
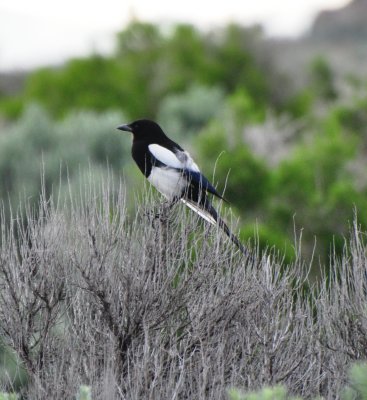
(165, 156)
(179, 159)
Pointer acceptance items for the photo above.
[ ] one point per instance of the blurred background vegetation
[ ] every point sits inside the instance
(280, 125)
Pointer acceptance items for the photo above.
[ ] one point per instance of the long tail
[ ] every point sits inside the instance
(209, 213)
(228, 232)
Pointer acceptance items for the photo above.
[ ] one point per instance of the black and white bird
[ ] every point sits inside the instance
(172, 171)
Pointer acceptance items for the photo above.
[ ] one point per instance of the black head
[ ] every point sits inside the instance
(143, 129)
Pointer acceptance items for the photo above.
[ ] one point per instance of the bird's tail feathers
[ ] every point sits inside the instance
(210, 214)
(227, 231)
(205, 214)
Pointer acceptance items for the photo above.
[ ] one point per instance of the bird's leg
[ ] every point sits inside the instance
(169, 204)
(162, 214)
(165, 208)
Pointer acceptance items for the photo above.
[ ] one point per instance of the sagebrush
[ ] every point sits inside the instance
(165, 307)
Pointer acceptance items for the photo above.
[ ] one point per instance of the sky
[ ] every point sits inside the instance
(45, 32)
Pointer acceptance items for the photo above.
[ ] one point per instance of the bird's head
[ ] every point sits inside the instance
(143, 129)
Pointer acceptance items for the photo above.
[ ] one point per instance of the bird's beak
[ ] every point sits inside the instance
(126, 128)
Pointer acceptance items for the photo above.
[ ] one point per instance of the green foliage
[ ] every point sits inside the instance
(358, 383)
(245, 186)
(316, 186)
(244, 108)
(149, 65)
(11, 107)
(188, 59)
(323, 79)
(269, 238)
(12, 374)
(356, 390)
(9, 396)
(249, 183)
(139, 52)
(353, 117)
(90, 84)
(36, 146)
(313, 188)
(300, 104)
(237, 64)
(275, 393)
(187, 113)
(84, 393)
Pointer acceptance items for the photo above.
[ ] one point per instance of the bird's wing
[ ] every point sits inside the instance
(177, 158)
(182, 161)
(165, 156)
(201, 181)
(187, 161)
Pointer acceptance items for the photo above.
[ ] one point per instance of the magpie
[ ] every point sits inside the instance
(172, 171)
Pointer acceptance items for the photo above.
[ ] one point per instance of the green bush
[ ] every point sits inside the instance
(149, 65)
(9, 396)
(84, 393)
(244, 177)
(93, 83)
(323, 79)
(60, 151)
(275, 393)
(269, 238)
(316, 187)
(356, 390)
(184, 115)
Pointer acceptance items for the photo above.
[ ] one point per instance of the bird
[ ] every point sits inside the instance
(173, 172)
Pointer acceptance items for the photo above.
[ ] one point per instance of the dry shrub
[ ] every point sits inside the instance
(158, 308)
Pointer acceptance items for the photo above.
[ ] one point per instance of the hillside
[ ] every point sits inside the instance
(339, 36)
(344, 24)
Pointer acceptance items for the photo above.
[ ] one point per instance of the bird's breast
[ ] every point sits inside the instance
(168, 181)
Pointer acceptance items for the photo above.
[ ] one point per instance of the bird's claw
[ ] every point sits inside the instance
(154, 217)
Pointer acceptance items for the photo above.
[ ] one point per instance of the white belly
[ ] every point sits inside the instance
(169, 182)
